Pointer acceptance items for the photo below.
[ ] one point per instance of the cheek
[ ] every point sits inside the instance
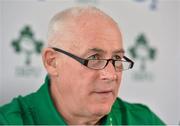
(78, 80)
(118, 84)
(83, 83)
(79, 86)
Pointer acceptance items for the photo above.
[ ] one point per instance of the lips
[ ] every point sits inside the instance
(104, 92)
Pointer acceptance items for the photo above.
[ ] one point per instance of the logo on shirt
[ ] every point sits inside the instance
(143, 53)
(27, 45)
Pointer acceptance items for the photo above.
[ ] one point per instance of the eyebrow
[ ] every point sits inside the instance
(103, 51)
(119, 51)
(96, 50)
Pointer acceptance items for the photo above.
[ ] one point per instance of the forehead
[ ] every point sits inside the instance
(90, 32)
(106, 39)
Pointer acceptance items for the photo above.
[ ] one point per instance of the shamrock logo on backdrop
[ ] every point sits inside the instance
(142, 51)
(27, 44)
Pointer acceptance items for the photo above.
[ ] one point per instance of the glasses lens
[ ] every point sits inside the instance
(100, 64)
(96, 64)
(121, 65)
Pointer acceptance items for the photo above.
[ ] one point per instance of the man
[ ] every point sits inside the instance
(84, 60)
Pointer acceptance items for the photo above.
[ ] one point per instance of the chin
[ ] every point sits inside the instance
(101, 109)
(101, 104)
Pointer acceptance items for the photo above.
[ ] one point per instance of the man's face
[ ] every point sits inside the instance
(84, 91)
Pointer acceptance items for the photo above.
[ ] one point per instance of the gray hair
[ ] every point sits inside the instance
(60, 21)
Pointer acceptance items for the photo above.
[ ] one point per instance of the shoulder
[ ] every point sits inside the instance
(136, 113)
(15, 112)
(22, 110)
(10, 113)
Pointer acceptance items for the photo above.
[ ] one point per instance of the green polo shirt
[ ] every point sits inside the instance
(38, 108)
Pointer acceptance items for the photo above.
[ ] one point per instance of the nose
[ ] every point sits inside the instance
(108, 73)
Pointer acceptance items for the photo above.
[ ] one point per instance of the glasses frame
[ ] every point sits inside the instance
(85, 61)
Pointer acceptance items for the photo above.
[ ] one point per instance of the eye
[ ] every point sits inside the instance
(94, 57)
(117, 57)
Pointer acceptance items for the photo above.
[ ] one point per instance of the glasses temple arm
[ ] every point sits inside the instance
(127, 59)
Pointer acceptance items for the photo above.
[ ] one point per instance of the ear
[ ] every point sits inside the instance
(49, 57)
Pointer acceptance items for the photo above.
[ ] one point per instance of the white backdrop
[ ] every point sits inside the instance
(157, 20)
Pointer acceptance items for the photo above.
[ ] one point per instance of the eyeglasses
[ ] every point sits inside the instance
(98, 64)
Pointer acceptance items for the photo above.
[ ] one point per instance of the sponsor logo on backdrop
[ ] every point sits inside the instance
(142, 53)
(27, 45)
(152, 3)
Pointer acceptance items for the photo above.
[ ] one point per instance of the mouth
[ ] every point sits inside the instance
(107, 93)
(103, 92)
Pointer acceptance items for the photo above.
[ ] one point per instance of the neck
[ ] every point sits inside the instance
(70, 117)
